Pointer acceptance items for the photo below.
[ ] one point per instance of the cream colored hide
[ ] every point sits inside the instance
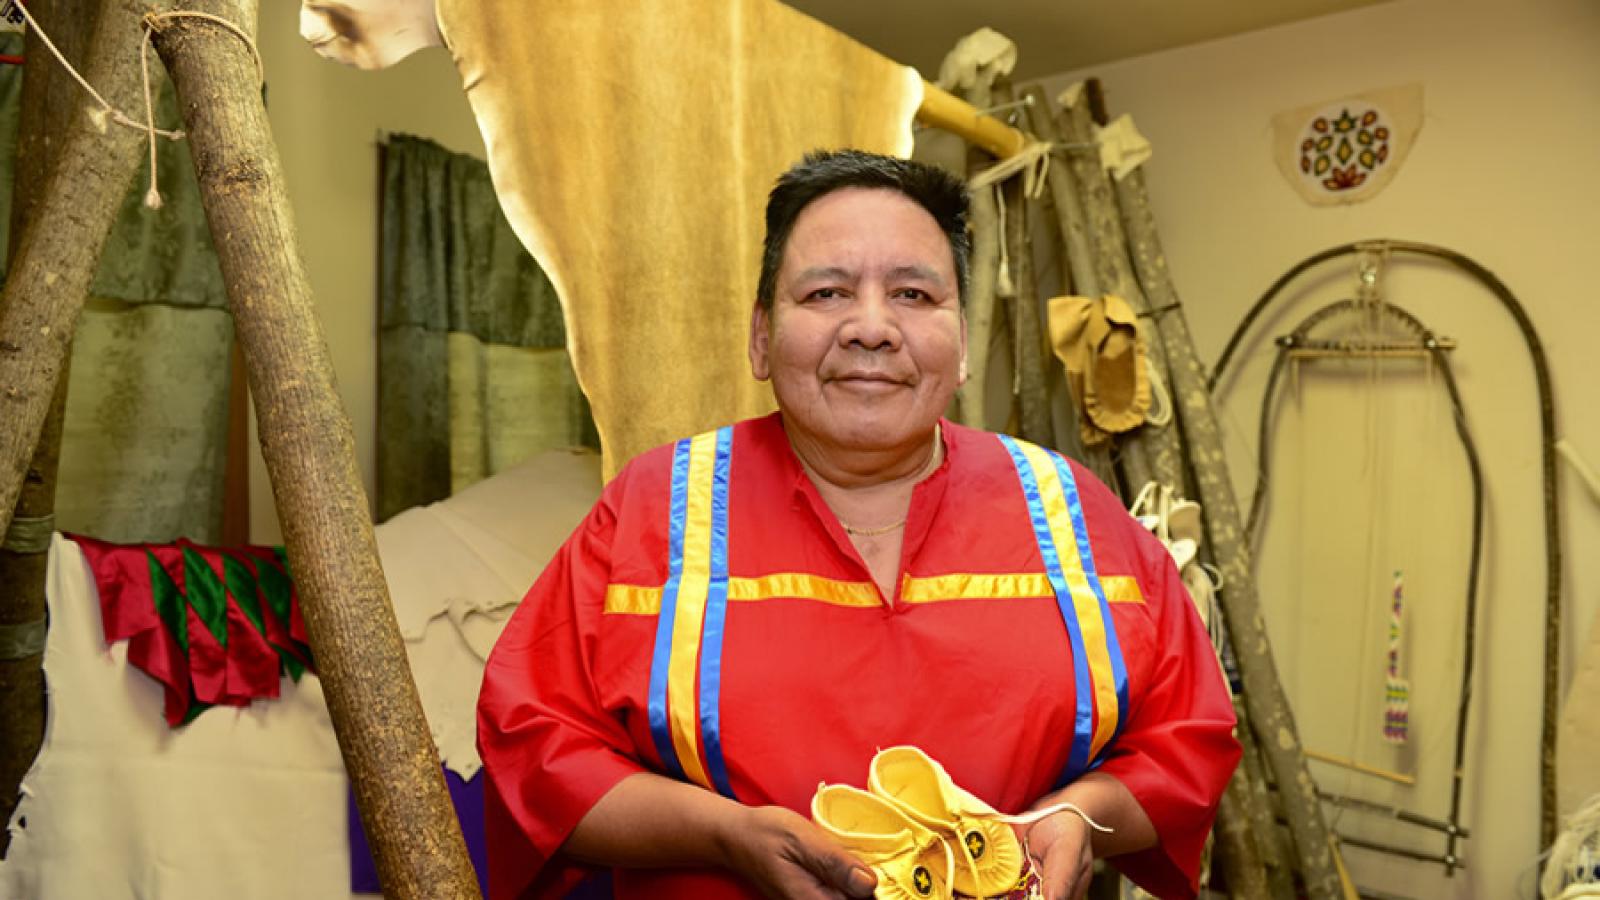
(632, 146)
(369, 34)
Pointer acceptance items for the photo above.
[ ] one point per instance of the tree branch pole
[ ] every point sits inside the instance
(309, 447)
(1078, 275)
(1242, 856)
(1151, 452)
(982, 306)
(69, 182)
(1265, 700)
(1028, 351)
(47, 103)
(57, 253)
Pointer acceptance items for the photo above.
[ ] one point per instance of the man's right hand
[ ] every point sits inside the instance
(787, 858)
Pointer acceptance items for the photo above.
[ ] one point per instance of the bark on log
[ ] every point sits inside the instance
(1150, 452)
(1028, 352)
(309, 448)
(48, 102)
(1077, 261)
(982, 310)
(1236, 846)
(1271, 842)
(1270, 715)
(57, 253)
(981, 303)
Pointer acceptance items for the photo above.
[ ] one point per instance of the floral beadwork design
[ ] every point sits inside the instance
(1340, 149)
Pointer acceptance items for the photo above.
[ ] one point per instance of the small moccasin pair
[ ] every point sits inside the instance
(924, 836)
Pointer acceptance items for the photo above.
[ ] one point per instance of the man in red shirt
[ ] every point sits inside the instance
(760, 608)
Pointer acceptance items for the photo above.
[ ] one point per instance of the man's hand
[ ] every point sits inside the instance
(1060, 848)
(787, 858)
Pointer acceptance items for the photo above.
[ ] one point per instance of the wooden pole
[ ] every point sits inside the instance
(1249, 785)
(941, 109)
(981, 302)
(1077, 264)
(1237, 846)
(1028, 352)
(1265, 700)
(309, 448)
(1152, 452)
(47, 102)
(60, 247)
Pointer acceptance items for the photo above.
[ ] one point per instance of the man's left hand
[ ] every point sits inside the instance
(1061, 852)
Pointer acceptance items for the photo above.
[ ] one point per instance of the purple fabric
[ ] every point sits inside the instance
(468, 799)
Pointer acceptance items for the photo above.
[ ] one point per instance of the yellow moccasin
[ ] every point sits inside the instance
(911, 861)
(987, 855)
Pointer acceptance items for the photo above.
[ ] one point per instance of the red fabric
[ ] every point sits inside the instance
(811, 690)
(121, 572)
(247, 668)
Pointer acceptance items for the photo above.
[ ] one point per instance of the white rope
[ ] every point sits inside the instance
(153, 22)
(1159, 415)
(1004, 287)
(1033, 161)
(106, 111)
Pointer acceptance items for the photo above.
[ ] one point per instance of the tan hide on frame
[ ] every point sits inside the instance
(632, 146)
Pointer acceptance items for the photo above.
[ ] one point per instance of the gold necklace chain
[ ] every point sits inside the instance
(933, 460)
(871, 532)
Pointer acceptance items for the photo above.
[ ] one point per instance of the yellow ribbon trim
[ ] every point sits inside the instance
(683, 707)
(1053, 498)
(644, 600)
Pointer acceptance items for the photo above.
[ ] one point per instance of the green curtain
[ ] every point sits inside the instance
(473, 372)
(145, 436)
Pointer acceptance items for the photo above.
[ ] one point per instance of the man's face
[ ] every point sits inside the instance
(865, 340)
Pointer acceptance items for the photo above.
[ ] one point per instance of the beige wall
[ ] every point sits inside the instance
(327, 120)
(1504, 170)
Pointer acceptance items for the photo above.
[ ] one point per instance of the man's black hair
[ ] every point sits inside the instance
(824, 171)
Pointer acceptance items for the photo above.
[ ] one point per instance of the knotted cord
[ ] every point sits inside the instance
(153, 22)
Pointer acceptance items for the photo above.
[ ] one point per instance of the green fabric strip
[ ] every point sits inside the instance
(169, 602)
(205, 593)
(22, 640)
(276, 586)
(242, 587)
(196, 707)
(29, 534)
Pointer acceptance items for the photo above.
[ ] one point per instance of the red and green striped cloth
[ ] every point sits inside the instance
(213, 625)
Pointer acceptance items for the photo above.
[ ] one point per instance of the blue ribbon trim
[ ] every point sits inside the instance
(660, 727)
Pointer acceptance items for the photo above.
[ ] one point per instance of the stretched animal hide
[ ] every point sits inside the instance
(632, 146)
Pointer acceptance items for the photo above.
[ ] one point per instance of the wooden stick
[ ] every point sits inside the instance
(941, 109)
(48, 101)
(58, 251)
(1150, 452)
(309, 448)
(981, 303)
(1028, 352)
(1273, 840)
(1268, 706)
(1077, 262)
(1352, 765)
